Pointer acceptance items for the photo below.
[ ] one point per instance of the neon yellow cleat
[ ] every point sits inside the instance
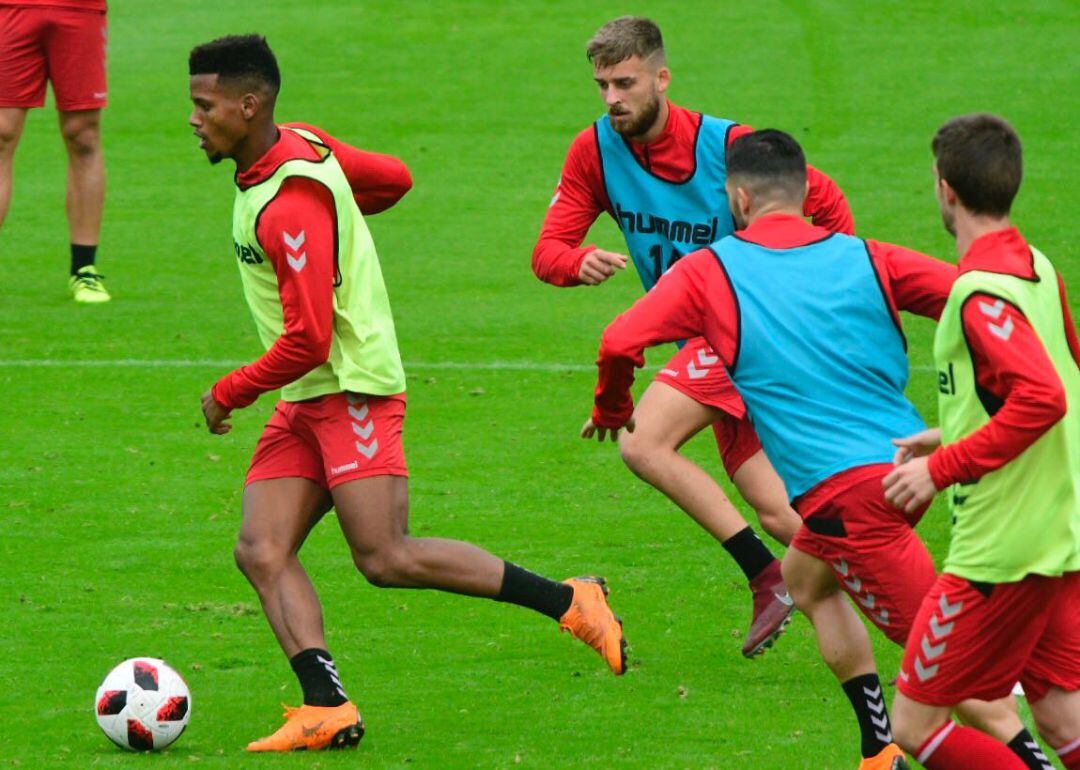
(88, 286)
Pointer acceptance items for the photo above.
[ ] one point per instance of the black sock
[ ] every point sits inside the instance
(866, 698)
(82, 256)
(318, 677)
(749, 552)
(519, 586)
(1028, 749)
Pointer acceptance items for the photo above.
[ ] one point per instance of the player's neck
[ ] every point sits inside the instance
(970, 227)
(257, 144)
(766, 209)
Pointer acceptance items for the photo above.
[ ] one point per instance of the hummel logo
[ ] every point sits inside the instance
(310, 731)
(1004, 331)
(292, 245)
(994, 310)
(784, 598)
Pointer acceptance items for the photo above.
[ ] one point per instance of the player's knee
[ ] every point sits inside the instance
(638, 454)
(260, 561)
(1053, 723)
(383, 568)
(9, 138)
(82, 138)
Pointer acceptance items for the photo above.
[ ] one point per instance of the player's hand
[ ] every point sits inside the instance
(916, 445)
(215, 414)
(910, 486)
(589, 429)
(599, 265)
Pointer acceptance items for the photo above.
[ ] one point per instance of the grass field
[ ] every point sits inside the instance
(118, 511)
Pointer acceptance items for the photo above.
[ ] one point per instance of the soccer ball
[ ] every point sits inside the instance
(143, 705)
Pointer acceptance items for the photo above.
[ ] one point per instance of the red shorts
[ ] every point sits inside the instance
(65, 47)
(696, 371)
(872, 547)
(967, 644)
(332, 439)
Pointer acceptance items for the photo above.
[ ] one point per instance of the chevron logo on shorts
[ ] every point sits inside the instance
(363, 425)
(870, 603)
(705, 360)
(932, 645)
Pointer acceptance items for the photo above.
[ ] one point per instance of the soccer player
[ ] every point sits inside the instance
(1007, 604)
(63, 42)
(312, 279)
(807, 323)
(658, 170)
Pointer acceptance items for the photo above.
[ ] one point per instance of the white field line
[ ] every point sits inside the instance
(209, 363)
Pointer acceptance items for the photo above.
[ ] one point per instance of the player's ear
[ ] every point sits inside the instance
(249, 105)
(663, 78)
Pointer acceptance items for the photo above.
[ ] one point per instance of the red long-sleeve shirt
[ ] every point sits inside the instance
(580, 196)
(1015, 370)
(694, 299)
(304, 206)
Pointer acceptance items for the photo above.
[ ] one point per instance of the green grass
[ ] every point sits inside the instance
(118, 513)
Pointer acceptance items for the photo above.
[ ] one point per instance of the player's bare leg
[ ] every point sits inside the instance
(927, 732)
(665, 419)
(1057, 715)
(81, 131)
(763, 490)
(845, 648)
(278, 515)
(12, 120)
(373, 514)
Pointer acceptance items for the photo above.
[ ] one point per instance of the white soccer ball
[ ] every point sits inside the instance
(143, 705)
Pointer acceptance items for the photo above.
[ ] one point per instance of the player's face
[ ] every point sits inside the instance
(633, 91)
(217, 117)
(947, 206)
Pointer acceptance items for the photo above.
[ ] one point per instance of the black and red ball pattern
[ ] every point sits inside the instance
(139, 737)
(112, 702)
(146, 675)
(173, 710)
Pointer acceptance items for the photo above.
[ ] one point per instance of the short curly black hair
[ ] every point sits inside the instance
(237, 58)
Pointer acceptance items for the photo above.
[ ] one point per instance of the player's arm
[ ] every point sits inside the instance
(825, 203)
(378, 181)
(1021, 389)
(912, 281)
(558, 257)
(674, 309)
(297, 232)
(1021, 383)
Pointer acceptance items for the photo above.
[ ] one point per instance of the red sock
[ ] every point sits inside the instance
(1069, 754)
(963, 748)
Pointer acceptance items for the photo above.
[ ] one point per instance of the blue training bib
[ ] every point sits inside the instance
(661, 220)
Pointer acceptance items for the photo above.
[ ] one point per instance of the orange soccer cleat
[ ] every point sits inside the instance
(891, 757)
(315, 727)
(591, 620)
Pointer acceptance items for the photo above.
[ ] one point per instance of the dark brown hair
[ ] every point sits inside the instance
(770, 162)
(979, 156)
(624, 37)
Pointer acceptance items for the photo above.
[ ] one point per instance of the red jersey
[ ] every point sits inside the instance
(302, 204)
(695, 299)
(71, 5)
(1019, 374)
(580, 197)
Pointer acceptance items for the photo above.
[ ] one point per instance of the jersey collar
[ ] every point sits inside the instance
(782, 231)
(1001, 251)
